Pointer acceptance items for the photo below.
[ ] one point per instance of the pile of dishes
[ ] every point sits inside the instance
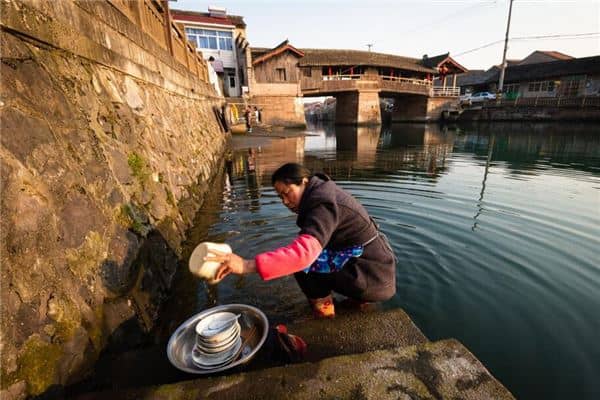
(218, 340)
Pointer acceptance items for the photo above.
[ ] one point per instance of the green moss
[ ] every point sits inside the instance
(170, 198)
(123, 218)
(139, 168)
(175, 392)
(38, 364)
(134, 219)
(66, 329)
(95, 331)
(85, 260)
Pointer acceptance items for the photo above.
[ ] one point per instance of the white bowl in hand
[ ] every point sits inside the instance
(207, 269)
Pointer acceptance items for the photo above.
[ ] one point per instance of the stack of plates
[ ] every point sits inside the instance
(218, 340)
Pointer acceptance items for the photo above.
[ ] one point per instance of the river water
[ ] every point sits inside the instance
(496, 228)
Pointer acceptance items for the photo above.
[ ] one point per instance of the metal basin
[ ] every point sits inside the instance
(252, 323)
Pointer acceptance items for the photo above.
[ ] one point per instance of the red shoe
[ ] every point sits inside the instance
(294, 346)
(323, 307)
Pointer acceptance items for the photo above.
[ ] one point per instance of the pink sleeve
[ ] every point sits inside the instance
(294, 257)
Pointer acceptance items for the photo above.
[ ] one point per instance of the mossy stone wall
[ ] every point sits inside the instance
(104, 163)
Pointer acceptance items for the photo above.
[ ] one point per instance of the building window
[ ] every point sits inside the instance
(231, 81)
(543, 86)
(280, 74)
(210, 39)
(307, 72)
(570, 87)
(511, 88)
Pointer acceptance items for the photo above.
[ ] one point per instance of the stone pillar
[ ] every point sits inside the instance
(359, 107)
(346, 108)
(410, 108)
(436, 105)
(369, 112)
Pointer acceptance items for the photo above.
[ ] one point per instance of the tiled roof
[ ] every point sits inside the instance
(205, 18)
(436, 61)
(433, 62)
(258, 51)
(280, 48)
(532, 72)
(475, 77)
(553, 69)
(556, 54)
(324, 57)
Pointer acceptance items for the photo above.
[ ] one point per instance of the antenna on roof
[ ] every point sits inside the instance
(369, 46)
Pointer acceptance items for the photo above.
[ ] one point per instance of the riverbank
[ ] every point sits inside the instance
(584, 109)
(370, 355)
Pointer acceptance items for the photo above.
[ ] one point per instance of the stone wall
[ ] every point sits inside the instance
(530, 113)
(280, 103)
(108, 146)
(436, 105)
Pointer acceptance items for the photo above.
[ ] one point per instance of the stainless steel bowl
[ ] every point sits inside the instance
(252, 323)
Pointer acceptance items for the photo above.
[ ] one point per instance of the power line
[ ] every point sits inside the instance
(567, 36)
(436, 23)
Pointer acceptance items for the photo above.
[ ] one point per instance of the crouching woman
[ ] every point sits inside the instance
(338, 249)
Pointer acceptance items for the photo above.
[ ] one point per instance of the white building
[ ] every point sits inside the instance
(222, 40)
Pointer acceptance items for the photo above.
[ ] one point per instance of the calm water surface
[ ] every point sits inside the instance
(496, 229)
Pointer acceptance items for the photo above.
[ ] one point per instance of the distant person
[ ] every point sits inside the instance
(339, 247)
(248, 116)
(213, 78)
(257, 114)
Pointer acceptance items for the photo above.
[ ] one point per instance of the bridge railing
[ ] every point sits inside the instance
(570, 102)
(341, 77)
(330, 83)
(446, 91)
(423, 82)
(412, 81)
(405, 85)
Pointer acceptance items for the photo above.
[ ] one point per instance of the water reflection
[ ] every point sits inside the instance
(496, 228)
(358, 143)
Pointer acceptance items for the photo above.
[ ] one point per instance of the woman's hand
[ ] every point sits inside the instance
(231, 263)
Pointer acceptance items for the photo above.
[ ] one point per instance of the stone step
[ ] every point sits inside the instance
(440, 370)
(349, 333)
(357, 332)
(235, 100)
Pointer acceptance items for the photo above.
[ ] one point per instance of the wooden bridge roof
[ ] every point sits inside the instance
(325, 57)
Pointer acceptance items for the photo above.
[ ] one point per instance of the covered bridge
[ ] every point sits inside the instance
(355, 78)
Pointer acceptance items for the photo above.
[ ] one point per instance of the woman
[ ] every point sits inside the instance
(339, 247)
(248, 116)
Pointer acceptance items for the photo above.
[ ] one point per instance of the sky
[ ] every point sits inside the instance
(472, 31)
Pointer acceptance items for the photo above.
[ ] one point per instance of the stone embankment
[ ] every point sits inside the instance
(108, 146)
(374, 355)
(580, 109)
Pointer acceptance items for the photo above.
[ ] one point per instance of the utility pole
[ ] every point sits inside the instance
(503, 66)
(369, 46)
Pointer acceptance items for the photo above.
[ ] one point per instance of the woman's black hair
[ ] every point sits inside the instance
(290, 173)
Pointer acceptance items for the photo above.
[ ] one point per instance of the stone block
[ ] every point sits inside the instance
(357, 333)
(443, 370)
